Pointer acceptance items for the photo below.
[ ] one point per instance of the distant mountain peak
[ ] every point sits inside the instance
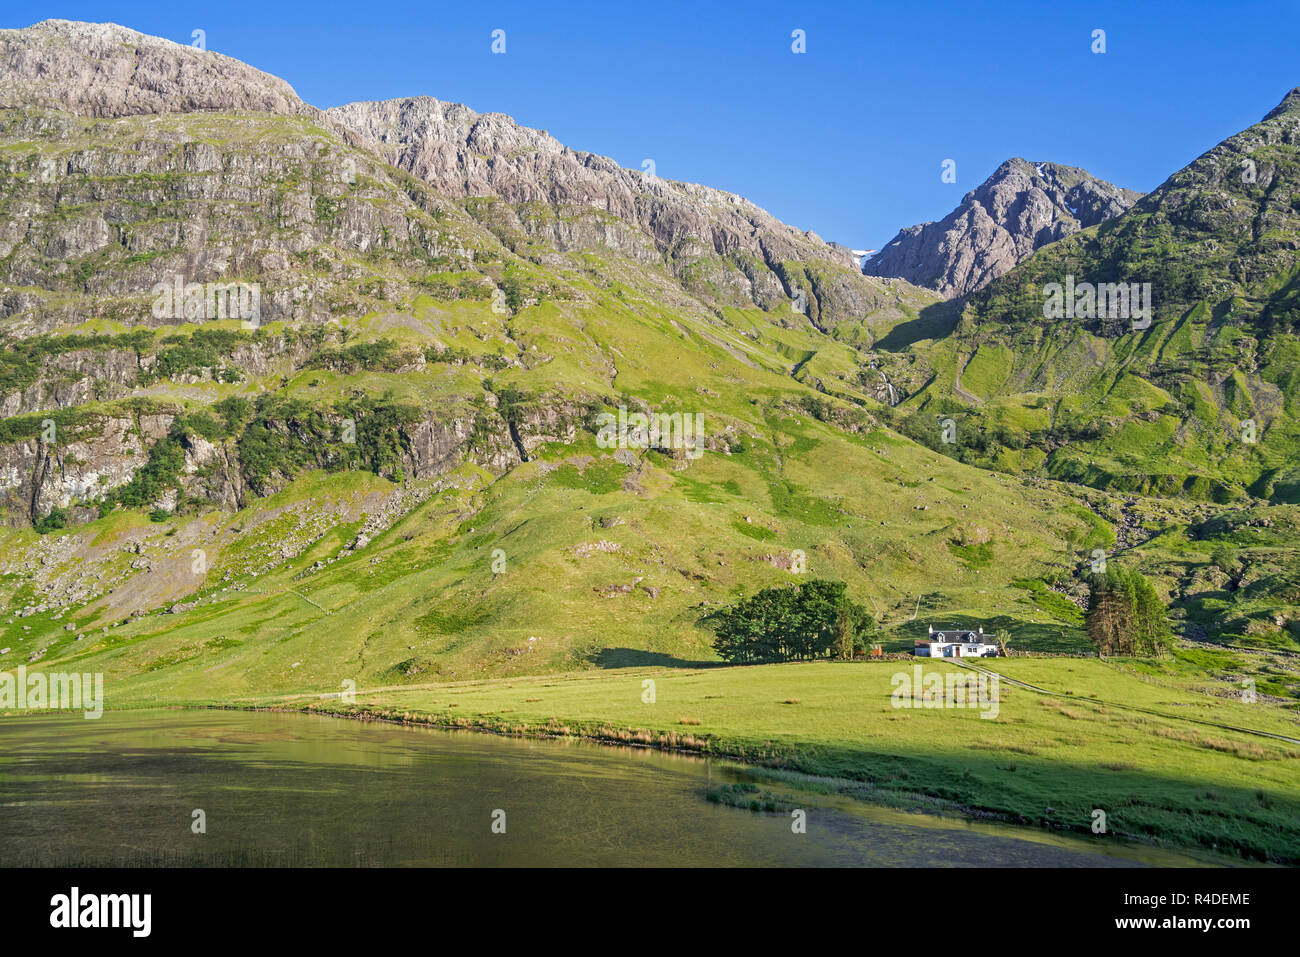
(1020, 208)
(106, 70)
(1290, 104)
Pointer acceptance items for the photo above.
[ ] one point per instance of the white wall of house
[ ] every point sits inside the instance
(960, 649)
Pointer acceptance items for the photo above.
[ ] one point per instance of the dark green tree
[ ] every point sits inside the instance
(1126, 615)
(815, 619)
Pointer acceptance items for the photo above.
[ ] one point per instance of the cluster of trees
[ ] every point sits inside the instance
(980, 438)
(381, 355)
(286, 436)
(179, 355)
(815, 619)
(1125, 615)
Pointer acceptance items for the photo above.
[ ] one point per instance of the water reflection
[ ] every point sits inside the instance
(294, 790)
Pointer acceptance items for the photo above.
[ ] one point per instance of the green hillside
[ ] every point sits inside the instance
(410, 409)
(1198, 401)
(1195, 404)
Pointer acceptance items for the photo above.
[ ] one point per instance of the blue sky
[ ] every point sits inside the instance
(847, 139)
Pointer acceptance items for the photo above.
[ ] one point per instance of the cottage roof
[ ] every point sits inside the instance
(963, 635)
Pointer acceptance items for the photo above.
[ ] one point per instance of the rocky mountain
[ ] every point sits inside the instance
(1222, 233)
(566, 199)
(142, 180)
(718, 246)
(104, 70)
(1022, 207)
(1193, 402)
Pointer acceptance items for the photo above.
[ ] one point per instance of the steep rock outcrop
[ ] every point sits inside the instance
(36, 477)
(74, 378)
(144, 202)
(1020, 208)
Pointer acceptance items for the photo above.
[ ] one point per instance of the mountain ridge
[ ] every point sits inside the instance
(712, 240)
(1021, 207)
(1196, 399)
(743, 249)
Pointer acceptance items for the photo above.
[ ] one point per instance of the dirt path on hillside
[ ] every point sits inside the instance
(956, 384)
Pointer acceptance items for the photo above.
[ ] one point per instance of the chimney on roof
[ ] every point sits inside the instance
(932, 629)
(981, 629)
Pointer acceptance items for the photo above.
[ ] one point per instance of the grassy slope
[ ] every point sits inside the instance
(420, 604)
(423, 596)
(1201, 406)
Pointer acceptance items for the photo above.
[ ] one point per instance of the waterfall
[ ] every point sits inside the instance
(893, 394)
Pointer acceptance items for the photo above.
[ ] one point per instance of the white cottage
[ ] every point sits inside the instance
(955, 644)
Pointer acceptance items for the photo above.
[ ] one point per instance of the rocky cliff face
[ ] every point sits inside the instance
(74, 378)
(36, 476)
(96, 212)
(712, 240)
(1020, 208)
(576, 200)
(143, 159)
(130, 163)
